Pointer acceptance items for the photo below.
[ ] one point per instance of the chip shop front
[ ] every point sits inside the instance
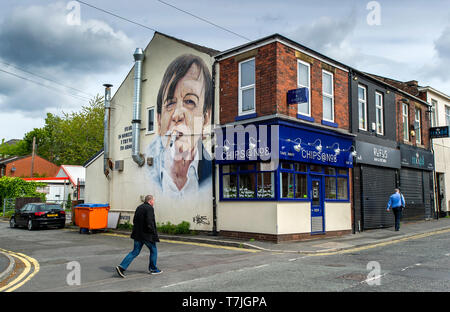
(280, 180)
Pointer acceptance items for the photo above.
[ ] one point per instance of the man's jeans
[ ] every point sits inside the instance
(398, 215)
(137, 250)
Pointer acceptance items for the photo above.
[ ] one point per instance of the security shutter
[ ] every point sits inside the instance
(377, 185)
(412, 188)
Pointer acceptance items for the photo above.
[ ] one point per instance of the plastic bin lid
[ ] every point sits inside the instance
(92, 205)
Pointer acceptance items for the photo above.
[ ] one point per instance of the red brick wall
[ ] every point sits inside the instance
(425, 123)
(23, 167)
(276, 74)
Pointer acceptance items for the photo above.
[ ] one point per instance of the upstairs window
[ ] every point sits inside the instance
(433, 113)
(447, 115)
(328, 97)
(303, 81)
(362, 107)
(247, 87)
(379, 113)
(418, 126)
(151, 120)
(405, 109)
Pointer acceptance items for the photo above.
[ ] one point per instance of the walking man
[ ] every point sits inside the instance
(144, 233)
(397, 203)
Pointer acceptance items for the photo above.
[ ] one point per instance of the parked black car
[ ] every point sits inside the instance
(35, 215)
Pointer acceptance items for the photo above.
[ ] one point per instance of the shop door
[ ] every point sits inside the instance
(317, 206)
(412, 187)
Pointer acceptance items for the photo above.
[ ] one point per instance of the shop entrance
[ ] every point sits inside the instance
(317, 206)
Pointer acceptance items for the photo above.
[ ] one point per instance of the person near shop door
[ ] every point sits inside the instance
(397, 203)
(144, 233)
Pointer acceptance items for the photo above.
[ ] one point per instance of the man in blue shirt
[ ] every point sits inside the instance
(396, 202)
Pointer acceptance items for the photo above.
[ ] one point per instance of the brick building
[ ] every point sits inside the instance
(20, 166)
(283, 164)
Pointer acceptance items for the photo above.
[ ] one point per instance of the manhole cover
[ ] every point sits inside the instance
(354, 277)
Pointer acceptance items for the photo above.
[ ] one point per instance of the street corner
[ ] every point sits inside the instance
(16, 270)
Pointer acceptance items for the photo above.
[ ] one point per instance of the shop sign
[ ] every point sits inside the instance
(377, 155)
(439, 132)
(297, 96)
(416, 158)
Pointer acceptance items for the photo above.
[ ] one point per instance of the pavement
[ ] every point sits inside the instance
(318, 244)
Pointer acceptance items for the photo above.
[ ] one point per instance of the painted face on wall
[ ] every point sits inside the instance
(182, 116)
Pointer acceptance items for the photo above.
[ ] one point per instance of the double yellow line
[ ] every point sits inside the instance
(31, 265)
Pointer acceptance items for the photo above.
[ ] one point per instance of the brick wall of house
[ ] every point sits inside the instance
(276, 74)
(425, 122)
(23, 167)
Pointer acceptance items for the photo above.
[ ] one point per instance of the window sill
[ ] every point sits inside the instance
(247, 116)
(330, 124)
(305, 117)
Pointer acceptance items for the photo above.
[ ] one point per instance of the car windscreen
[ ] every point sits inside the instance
(49, 207)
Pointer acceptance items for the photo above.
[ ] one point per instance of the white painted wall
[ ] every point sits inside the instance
(294, 217)
(338, 216)
(96, 190)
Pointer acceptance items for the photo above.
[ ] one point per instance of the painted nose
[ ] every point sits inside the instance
(178, 114)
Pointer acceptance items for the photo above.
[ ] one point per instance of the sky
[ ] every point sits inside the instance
(78, 48)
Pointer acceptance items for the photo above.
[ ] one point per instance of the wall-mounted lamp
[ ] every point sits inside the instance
(336, 150)
(317, 146)
(355, 78)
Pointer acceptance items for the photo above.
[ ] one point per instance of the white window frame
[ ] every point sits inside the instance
(365, 107)
(148, 120)
(447, 115)
(328, 95)
(379, 108)
(434, 105)
(419, 120)
(405, 124)
(241, 89)
(302, 86)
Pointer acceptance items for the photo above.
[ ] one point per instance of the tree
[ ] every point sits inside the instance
(13, 187)
(69, 139)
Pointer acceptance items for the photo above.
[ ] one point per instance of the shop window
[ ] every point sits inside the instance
(342, 171)
(286, 165)
(330, 170)
(301, 167)
(316, 168)
(247, 185)
(330, 188)
(229, 168)
(229, 186)
(342, 188)
(266, 185)
(301, 186)
(247, 167)
(287, 185)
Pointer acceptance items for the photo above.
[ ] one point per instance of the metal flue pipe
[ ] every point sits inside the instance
(106, 129)
(136, 122)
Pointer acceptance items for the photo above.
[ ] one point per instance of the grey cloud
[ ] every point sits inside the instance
(41, 36)
(440, 67)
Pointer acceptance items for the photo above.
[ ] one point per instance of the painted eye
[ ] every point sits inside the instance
(170, 104)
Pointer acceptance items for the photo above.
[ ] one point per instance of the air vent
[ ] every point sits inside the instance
(118, 165)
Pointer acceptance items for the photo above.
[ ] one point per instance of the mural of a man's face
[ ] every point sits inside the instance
(184, 113)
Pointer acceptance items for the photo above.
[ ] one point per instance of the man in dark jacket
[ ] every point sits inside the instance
(144, 233)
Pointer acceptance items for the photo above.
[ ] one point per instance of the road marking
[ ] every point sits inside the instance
(30, 263)
(191, 243)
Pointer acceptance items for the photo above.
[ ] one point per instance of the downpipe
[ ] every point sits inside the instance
(136, 122)
(107, 101)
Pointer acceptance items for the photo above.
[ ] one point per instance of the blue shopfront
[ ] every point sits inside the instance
(288, 164)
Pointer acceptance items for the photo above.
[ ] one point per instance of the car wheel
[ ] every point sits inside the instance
(12, 222)
(30, 225)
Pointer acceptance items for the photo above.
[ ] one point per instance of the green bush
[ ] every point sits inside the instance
(125, 226)
(8, 214)
(169, 228)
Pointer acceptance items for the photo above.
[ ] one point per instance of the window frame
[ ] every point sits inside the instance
(447, 115)
(379, 108)
(405, 124)
(328, 95)
(418, 131)
(241, 89)
(365, 108)
(433, 121)
(302, 86)
(148, 120)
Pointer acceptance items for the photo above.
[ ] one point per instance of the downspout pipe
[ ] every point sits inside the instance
(213, 140)
(106, 129)
(136, 122)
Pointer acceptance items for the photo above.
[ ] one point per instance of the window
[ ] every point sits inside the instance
(247, 181)
(447, 115)
(342, 188)
(405, 109)
(303, 81)
(287, 185)
(327, 94)
(151, 120)
(379, 112)
(433, 113)
(330, 188)
(290, 188)
(362, 107)
(418, 126)
(247, 87)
